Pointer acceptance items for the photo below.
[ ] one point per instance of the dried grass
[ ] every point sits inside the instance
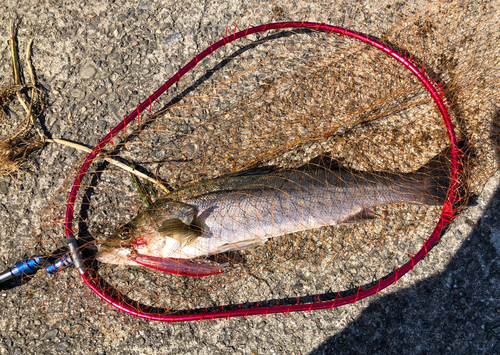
(13, 154)
(22, 138)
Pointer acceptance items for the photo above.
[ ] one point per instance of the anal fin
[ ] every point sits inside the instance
(360, 217)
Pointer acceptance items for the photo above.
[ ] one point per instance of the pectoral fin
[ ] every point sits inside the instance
(178, 230)
(360, 217)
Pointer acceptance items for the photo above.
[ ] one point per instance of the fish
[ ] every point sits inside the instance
(249, 208)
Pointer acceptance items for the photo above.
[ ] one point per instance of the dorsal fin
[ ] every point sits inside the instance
(323, 161)
(262, 170)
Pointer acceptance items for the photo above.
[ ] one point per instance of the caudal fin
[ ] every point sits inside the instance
(436, 188)
(435, 178)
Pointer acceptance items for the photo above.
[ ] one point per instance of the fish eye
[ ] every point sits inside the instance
(124, 232)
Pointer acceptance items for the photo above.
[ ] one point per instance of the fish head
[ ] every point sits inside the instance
(118, 247)
(165, 219)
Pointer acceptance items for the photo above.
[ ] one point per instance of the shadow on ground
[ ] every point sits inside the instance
(454, 312)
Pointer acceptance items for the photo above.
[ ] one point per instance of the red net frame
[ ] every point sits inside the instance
(446, 215)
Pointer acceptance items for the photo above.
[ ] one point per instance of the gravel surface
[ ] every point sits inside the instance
(96, 60)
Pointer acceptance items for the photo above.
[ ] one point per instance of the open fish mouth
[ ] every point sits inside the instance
(117, 256)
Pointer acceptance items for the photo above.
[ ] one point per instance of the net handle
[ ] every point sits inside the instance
(445, 219)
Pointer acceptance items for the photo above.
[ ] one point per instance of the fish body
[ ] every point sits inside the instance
(238, 212)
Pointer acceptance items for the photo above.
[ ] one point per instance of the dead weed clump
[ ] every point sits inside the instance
(19, 138)
(13, 154)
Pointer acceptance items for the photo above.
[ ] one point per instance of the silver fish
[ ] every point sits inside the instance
(239, 212)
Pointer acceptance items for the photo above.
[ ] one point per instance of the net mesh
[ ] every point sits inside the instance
(281, 99)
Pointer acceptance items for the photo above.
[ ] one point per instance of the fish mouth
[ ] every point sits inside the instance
(117, 256)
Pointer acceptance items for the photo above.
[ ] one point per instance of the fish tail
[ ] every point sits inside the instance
(435, 190)
(434, 180)
(421, 189)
